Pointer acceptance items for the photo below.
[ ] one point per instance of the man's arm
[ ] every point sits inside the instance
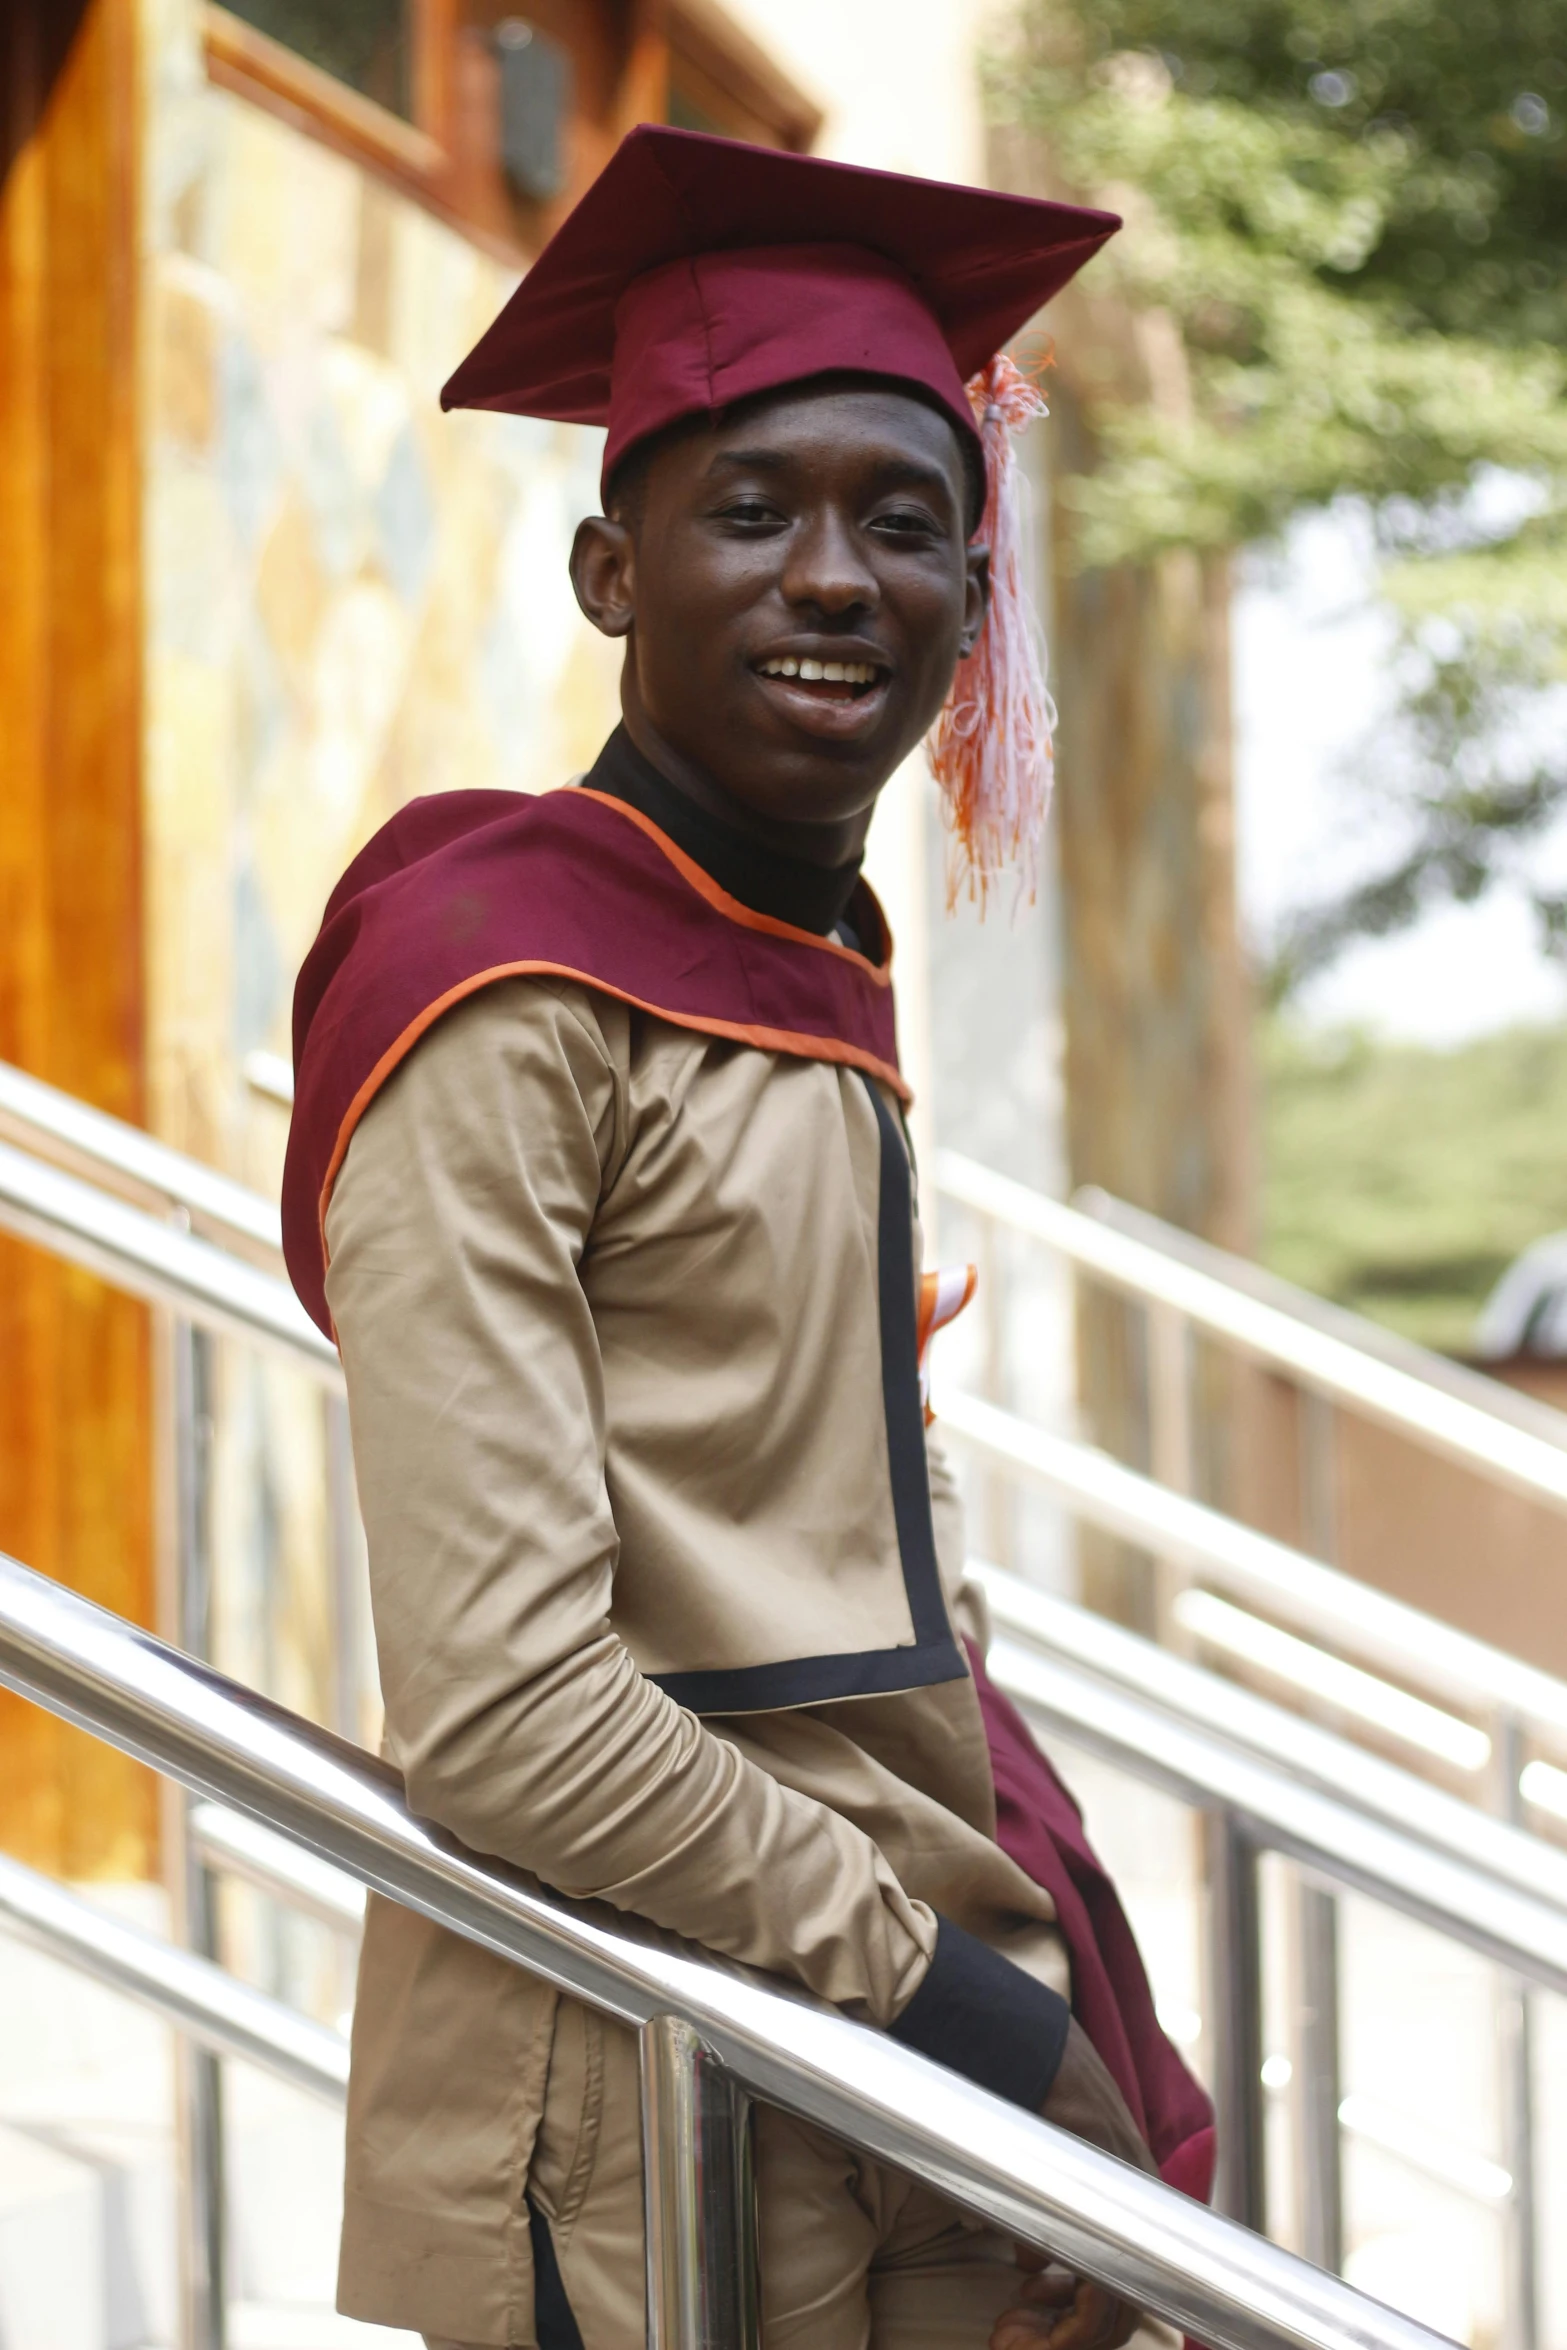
(517, 1716)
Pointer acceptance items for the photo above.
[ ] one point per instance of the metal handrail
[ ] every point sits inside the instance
(41, 1118)
(1427, 1400)
(1017, 2174)
(1463, 1380)
(200, 1999)
(1091, 1643)
(244, 1847)
(1431, 1413)
(151, 1258)
(207, 1285)
(1335, 1840)
(1343, 1610)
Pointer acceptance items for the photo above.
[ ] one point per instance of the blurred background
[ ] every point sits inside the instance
(1295, 986)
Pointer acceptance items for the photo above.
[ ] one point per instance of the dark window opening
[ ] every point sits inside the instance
(366, 43)
(687, 115)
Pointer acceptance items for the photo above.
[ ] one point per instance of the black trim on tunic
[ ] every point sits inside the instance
(985, 2017)
(934, 1655)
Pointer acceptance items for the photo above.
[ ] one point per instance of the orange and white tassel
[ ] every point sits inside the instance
(991, 749)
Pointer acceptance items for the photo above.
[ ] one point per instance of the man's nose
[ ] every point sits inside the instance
(827, 567)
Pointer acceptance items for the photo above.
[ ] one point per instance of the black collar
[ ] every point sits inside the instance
(790, 889)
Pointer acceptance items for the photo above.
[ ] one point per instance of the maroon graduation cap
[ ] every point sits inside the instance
(697, 271)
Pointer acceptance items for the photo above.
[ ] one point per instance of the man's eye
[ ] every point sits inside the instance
(907, 522)
(749, 511)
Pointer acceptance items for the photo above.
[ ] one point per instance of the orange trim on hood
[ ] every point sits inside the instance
(775, 1040)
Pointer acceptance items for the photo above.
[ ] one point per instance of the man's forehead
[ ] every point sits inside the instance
(875, 426)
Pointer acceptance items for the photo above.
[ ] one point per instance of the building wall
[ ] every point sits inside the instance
(352, 599)
(76, 1495)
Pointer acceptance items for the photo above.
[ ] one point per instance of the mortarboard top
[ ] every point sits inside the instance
(699, 271)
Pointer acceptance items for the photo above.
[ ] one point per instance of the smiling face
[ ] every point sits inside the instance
(796, 588)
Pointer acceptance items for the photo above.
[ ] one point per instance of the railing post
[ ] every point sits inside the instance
(1317, 2077)
(1515, 2035)
(699, 2196)
(1318, 1475)
(1172, 1459)
(998, 1494)
(1234, 2002)
(1521, 2327)
(198, 2074)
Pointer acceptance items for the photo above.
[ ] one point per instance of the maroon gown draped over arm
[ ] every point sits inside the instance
(1040, 1827)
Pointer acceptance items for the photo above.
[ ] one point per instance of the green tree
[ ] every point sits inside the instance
(1355, 211)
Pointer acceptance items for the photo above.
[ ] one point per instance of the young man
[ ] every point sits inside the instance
(599, 1174)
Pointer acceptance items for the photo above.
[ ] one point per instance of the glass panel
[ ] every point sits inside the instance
(366, 43)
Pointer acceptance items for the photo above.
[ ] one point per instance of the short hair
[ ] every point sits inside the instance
(625, 492)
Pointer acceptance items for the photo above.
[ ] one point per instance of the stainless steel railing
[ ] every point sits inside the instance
(711, 2037)
(207, 1286)
(152, 1258)
(1345, 1612)
(1229, 1754)
(213, 2008)
(1452, 1412)
(215, 1291)
(1185, 1287)
(87, 1142)
(1166, 1721)
(1077, 1638)
(161, 1227)
(1502, 1438)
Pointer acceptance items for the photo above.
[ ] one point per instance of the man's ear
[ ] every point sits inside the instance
(603, 573)
(976, 598)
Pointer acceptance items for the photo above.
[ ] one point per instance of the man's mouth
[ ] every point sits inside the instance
(828, 681)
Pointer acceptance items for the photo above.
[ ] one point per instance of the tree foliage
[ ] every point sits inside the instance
(1355, 214)
(1350, 1207)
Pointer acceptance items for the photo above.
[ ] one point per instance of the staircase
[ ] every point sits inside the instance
(1333, 1818)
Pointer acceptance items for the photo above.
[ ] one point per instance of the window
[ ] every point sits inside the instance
(368, 44)
(495, 116)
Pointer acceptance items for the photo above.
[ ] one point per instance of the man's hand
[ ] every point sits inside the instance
(1053, 2307)
(1059, 2311)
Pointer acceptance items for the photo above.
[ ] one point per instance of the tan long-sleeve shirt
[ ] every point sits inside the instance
(662, 1614)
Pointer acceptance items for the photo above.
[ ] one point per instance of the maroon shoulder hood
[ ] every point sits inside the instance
(470, 887)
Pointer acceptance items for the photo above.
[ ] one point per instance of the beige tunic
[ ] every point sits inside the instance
(650, 1597)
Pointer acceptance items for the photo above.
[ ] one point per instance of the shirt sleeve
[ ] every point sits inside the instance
(476, 1395)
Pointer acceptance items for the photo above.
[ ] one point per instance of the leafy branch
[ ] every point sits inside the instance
(1351, 212)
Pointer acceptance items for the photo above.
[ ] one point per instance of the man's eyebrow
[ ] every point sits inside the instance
(893, 467)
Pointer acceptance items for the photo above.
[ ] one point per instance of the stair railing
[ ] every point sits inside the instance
(712, 2038)
(214, 1291)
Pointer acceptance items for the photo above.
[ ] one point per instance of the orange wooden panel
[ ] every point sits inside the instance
(75, 1372)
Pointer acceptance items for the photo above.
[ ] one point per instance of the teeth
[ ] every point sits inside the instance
(821, 672)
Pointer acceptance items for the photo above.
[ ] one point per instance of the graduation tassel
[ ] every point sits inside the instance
(990, 749)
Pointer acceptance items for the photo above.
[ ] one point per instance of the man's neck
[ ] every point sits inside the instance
(835, 843)
(770, 881)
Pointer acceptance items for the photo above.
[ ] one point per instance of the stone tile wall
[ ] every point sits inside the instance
(350, 600)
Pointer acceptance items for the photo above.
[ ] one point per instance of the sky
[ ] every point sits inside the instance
(1311, 655)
